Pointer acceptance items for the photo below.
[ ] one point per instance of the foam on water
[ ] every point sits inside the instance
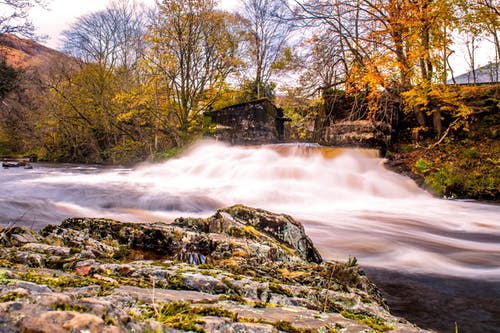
(349, 203)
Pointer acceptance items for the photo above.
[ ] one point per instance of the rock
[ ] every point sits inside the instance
(17, 236)
(224, 325)
(282, 228)
(224, 273)
(45, 248)
(32, 287)
(64, 322)
(204, 283)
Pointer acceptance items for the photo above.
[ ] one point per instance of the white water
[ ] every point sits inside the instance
(350, 205)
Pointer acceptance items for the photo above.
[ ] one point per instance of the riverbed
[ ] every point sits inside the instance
(428, 255)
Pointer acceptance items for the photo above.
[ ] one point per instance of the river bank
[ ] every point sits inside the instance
(241, 269)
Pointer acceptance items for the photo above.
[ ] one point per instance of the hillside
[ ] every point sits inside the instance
(27, 54)
(466, 164)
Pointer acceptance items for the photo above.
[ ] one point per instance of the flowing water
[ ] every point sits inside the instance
(348, 202)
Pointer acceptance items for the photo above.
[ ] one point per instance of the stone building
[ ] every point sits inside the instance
(251, 123)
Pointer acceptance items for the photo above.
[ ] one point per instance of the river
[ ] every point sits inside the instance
(436, 261)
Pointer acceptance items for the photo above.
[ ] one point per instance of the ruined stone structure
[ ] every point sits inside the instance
(261, 122)
(359, 133)
(252, 123)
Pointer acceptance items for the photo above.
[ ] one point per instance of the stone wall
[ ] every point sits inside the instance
(360, 133)
(252, 123)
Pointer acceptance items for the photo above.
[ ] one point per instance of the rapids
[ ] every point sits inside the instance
(348, 202)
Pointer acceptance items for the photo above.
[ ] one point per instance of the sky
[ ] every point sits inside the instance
(62, 13)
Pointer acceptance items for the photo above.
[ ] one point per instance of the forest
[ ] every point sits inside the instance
(136, 80)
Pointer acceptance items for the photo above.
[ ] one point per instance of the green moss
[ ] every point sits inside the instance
(176, 281)
(75, 250)
(4, 278)
(215, 312)
(234, 298)
(259, 305)
(376, 323)
(10, 297)
(177, 315)
(279, 289)
(121, 253)
(110, 321)
(64, 281)
(285, 326)
(69, 307)
(366, 299)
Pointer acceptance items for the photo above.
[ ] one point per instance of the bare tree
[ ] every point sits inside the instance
(112, 37)
(266, 37)
(14, 16)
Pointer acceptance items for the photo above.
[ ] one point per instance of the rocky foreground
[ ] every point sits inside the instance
(240, 270)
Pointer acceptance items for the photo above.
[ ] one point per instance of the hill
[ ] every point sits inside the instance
(27, 54)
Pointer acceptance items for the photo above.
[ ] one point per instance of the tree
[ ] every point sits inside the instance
(91, 106)
(480, 21)
(110, 38)
(8, 78)
(392, 46)
(14, 16)
(194, 50)
(265, 37)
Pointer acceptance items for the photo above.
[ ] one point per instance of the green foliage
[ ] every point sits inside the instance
(167, 154)
(431, 99)
(8, 78)
(423, 166)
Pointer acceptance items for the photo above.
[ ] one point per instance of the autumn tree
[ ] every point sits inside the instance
(89, 108)
(193, 48)
(393, 46)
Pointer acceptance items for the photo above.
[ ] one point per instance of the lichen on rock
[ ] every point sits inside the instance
(242, 269)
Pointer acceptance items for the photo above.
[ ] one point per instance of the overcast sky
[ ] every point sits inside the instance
(62, 13)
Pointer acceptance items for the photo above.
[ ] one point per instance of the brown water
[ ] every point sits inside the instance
(349, 203)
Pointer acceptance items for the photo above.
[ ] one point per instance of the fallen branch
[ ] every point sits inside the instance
(445, 134)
